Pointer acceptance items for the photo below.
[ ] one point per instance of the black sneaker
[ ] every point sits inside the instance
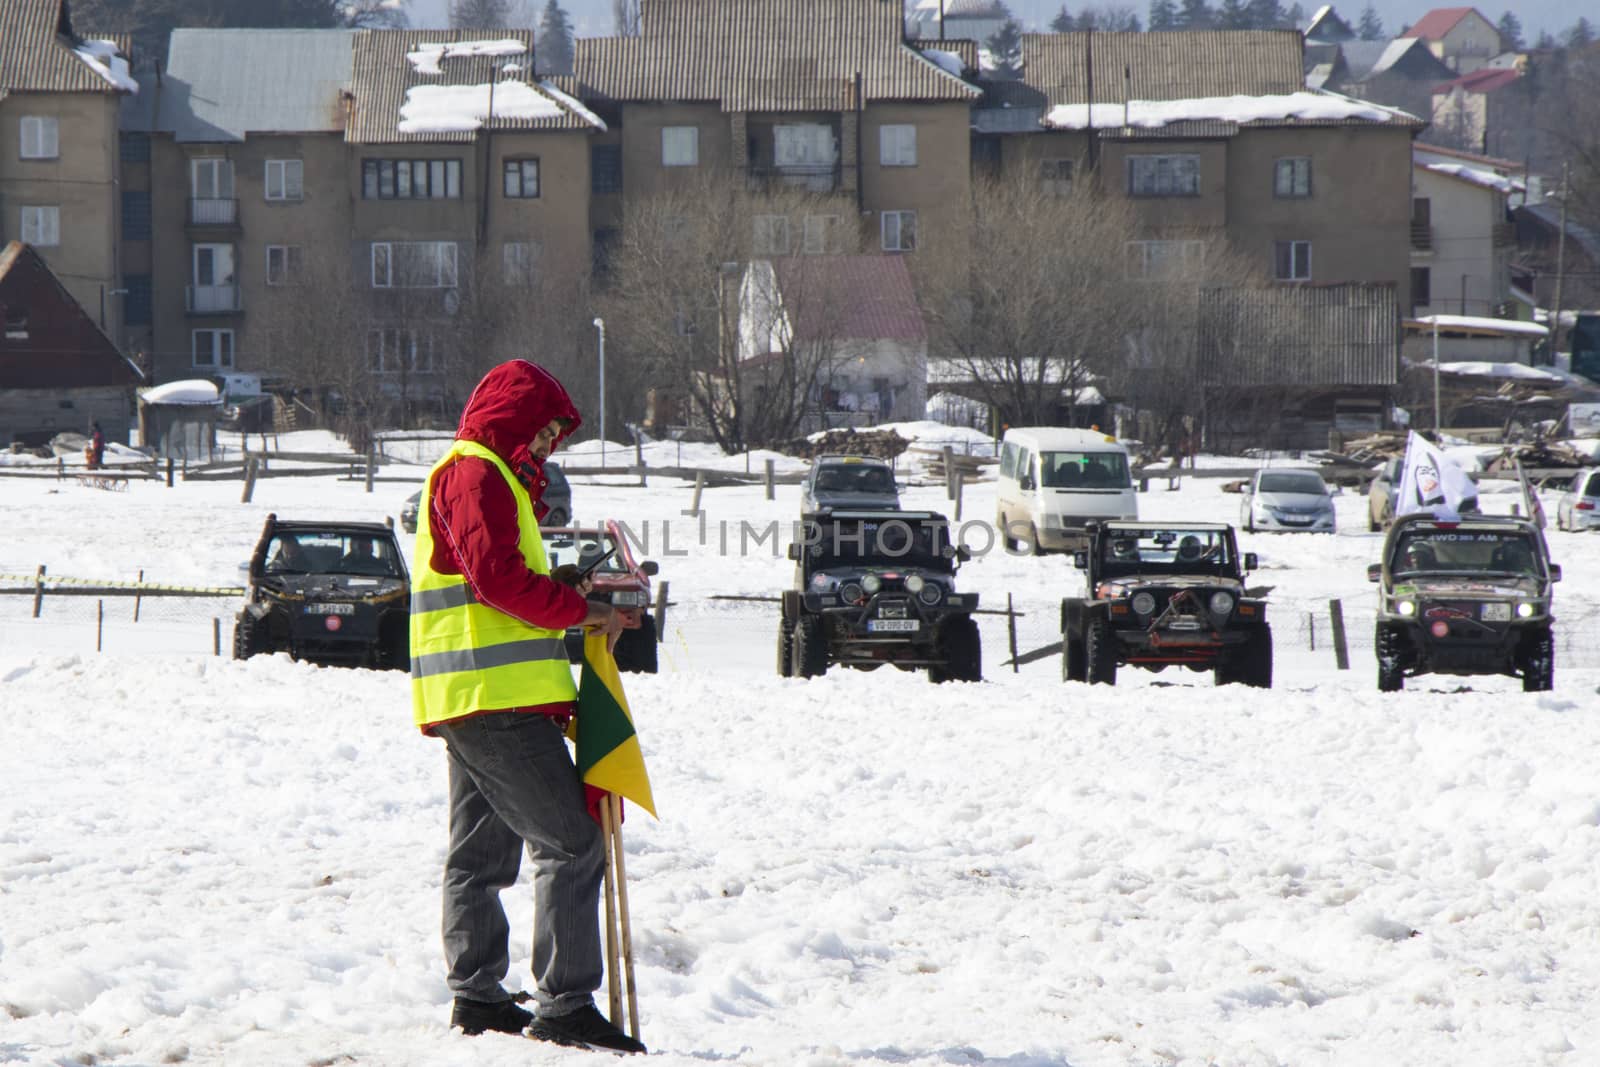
(501, 1016)
(584, 1028)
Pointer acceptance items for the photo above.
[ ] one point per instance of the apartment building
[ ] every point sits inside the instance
(1462, 234)
(59, 96)
(322, 203)
(819, 96)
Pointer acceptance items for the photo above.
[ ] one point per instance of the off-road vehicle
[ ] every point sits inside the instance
(1165, 594)
(619, 580)
(1466, 597)
(335, 593)
(876, 587)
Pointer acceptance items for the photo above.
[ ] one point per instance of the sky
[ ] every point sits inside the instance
(210, 862)
(593, 17)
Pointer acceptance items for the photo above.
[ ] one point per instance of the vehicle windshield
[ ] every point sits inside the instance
(854, 478)
(1084, 470)
(332, 552)
(1465, 552)
(878, 543)
(582, 550)
(1293, 482)
(1170, 550)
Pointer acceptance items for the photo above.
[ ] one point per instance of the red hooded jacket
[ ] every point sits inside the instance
(473, 516)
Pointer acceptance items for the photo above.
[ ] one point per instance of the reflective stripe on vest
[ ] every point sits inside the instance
(465, 655)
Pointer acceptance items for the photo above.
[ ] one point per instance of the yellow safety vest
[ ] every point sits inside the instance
(467, 656)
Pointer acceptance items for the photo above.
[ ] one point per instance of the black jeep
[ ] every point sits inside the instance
(1163, 594)
(335, 593)
(1467, 597)
(876, 587)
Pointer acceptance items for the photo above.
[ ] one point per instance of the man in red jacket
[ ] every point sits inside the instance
(512, 780)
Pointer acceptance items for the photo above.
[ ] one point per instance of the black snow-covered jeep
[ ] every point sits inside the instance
(1165, 594)
(876, 587)
(334, 593)
(1467, 597)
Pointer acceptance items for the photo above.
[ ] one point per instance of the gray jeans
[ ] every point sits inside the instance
(513, 781)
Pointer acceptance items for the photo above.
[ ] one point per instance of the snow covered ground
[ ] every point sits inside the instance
(211, 862)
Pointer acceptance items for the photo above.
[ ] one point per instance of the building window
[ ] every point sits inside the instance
(520, 261)
(413, 265)
(285, 179)
(680, 146)
(136, 215)
(821, 235)
(1291, 178)
(1164, 175)
(1162, 259)
(41, 137)
(399, 351)
(605, 168)
(899, 231)
(212, 349)
(1421, 286)
(771, 235)
(521, 179)
(211, 179)
(1291, 261)
(411, 179)
(283, 264)
(897, 146)
(41, 226)
(134, 147)
(1055, 175)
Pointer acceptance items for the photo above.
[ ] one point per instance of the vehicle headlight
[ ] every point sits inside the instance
(851, 593)
(930, 593)
(872, 583)
(1144, 603)
(914, 583)
(1221, 603)
(1526, 609)
(1405, 607)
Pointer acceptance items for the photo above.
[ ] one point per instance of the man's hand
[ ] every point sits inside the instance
(569, 574)
(604, 618)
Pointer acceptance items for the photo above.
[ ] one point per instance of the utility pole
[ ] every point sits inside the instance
(1561, 264)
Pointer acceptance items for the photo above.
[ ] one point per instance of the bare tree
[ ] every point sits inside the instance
(486, 14)
(626, 17)
(374, 14)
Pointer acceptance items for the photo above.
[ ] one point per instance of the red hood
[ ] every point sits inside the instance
(514, 402)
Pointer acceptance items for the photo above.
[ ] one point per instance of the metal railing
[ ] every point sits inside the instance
(213, 211)
(211, 299)
(1422, 236)
(814, 178)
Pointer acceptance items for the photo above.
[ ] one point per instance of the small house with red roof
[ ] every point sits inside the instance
(1471, 110)
(1460, 36)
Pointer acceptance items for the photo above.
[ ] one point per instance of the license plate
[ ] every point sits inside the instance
(1496, 613)
(330, 609)
(893, 626)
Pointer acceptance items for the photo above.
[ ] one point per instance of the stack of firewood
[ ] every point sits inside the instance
(884, 444)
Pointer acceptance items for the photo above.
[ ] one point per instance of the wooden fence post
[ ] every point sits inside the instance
(699, 485)
(138, 598)
(771, 474)
(961, 481)
(99, 625)
(249, 480)
(216, 635)
(1011, 627)
(1341, 653)
(949, 472)
(372, 465)
(661, 613)
(38, 590)
(1311, 628)
(169, 472)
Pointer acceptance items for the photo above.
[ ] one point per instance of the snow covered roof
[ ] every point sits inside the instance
(189, 392)
(1479, 324)
(1291, 108)
(1481, 369)
(107, 61)
(426, 56)
(40, 54)
(1488, 179)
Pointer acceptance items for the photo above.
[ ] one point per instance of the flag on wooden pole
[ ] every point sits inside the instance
(608, 755)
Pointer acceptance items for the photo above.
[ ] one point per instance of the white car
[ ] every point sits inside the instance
(1580, 504)
(1287, 498)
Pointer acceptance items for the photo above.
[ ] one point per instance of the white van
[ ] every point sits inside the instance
(1054, 481)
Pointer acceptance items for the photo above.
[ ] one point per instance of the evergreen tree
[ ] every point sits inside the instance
(1063, 22)
(1194, 15)
(1580, 35)
(1163, 15)
(554, 51)
(1510, 28)
(1295, 17)
(1266, 15)
(1005, 48)
(1232, 15)
(1546, 42)
(1370, 28)
(480, 14)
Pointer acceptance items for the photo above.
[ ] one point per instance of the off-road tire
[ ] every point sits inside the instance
(1099, 653)
(394, 644)
(248, 636)
(636, 649)
(1391, 676)
(785, 649)
(1255, 659)
(1538, 662)
(1073, 665)
(962, 650)
(810, 648)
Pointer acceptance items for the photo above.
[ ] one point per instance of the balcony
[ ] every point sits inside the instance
(809, 178)
(212, 299)
(213, 211)
(1421, 237)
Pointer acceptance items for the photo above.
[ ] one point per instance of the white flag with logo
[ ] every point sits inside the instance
(1432, 482)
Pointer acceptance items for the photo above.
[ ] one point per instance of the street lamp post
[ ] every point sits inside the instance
(600, 325)
(1436, 374)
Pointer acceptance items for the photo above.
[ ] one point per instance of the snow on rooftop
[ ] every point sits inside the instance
(103, 57)
(948, 62)
(571, 103)
(461, 108)
(1480, 322)
(1483, 369)
(187, 391)
(425, 57)
(1309, 106)
(1478, 176)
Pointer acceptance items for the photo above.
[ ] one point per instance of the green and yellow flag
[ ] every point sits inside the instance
(609, 759)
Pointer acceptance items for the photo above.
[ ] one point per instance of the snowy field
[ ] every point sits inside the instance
(210, 862)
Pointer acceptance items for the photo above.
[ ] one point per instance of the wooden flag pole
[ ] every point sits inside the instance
(613, 981)
(614, 802)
